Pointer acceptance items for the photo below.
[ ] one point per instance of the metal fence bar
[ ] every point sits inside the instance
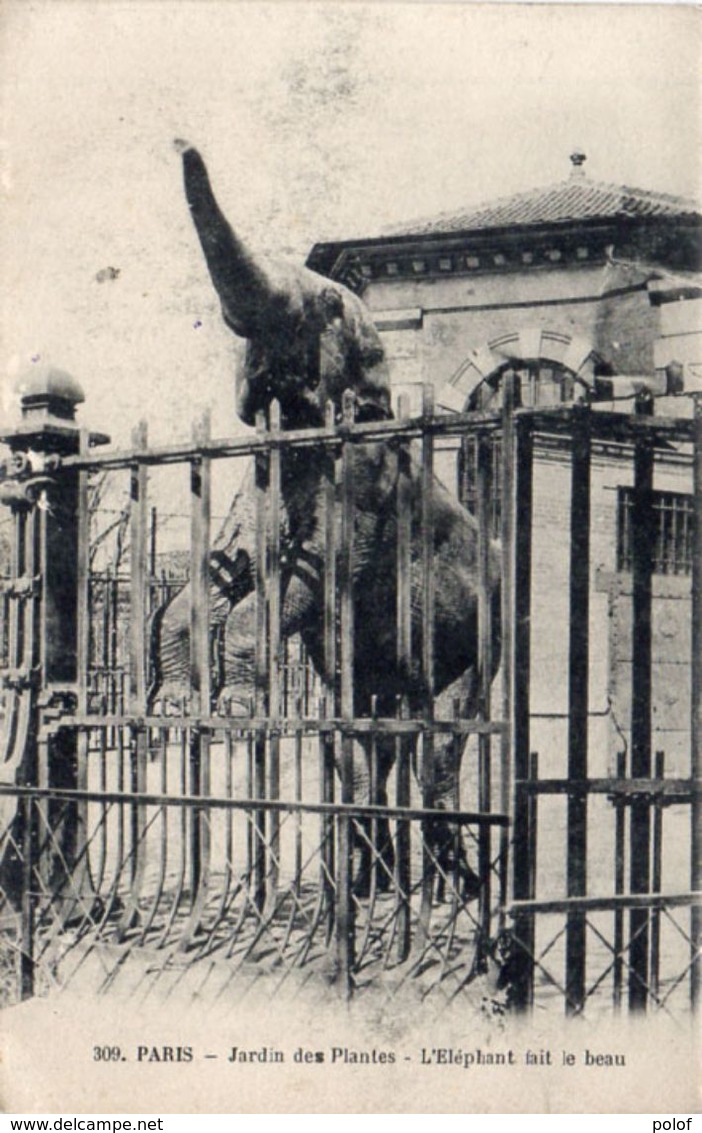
(619, 874)
(183, 800)
(428, 614)
(27, 972)
(656, 879)
(606, 426)
(578, 676)
(345, 835)
(522, 870)
(274, 651)
(261, 665)
(200, 677)
(329, 682)
(507, 522)
(696, 705)
(643, 535)
(137, 670)
(483, 516)
(403, 875)
(608, 904)
(79, 814)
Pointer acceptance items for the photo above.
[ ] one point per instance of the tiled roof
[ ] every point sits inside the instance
(578, 198)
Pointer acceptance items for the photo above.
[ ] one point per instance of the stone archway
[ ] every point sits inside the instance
(566, 361)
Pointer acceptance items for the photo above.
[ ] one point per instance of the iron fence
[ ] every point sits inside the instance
(157, 842)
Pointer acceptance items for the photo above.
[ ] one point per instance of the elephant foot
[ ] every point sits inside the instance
(455, 870)
(232, 702)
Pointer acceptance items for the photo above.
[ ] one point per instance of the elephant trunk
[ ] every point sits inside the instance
(242, 286)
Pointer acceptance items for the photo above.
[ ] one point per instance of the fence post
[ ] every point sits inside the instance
(328, 700)
(696, 709)
(484, 489)
(522, 868)
(427, 662)
(643, 542)
(27, 956)
(262, 474)
(403, 866)
(345, 926)
(578, 675)
(200, 675)
(48, 608)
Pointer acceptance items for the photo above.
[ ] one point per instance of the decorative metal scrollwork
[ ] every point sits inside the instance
(22, 588)
(23, 493)
(24, 476)
(17, 680)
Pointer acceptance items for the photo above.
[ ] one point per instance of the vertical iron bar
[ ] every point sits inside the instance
(619, 874)
(483, 498)
(428, 614)
(153, 530)
(328, 700)
(643, 543)
(200, 674)
(261, 664)
(403, 879)
(137, 663)
(533, 818)
(345, 910)
(522, 867)
(656, 877)
(274, 650)
(298, 798)
(696, 708)
(29, 838)
(578, 676)
(507, 528)
(80, 810)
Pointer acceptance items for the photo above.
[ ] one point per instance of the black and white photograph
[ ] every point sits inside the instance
(350, 557)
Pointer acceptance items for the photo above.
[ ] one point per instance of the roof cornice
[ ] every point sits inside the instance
(526, 246)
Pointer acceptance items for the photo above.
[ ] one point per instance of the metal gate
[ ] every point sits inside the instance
(188, 847)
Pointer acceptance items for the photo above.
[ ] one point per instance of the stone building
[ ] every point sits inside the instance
(578, 283)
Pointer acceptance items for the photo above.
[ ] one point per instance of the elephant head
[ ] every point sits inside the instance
(309, 338)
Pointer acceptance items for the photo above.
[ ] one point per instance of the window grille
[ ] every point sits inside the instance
(673, 524)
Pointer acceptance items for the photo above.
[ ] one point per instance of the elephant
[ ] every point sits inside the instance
(309, 339)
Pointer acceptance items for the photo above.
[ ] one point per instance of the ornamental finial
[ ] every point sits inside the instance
(577, 160)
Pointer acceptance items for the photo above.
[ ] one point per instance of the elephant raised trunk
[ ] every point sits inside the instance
(239, 281)
(308, 339)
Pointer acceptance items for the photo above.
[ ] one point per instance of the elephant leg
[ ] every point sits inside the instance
(448, 844)
(231, 578)
(239, 657)
(376, 852)
(300, 611)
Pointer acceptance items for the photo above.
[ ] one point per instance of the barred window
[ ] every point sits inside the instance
(673, 519)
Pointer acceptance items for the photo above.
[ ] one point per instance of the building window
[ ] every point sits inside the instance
(673, 525)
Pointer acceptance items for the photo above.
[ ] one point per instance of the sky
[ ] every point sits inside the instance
(317, 121)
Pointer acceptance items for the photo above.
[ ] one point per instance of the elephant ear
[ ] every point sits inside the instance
(319, 340)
